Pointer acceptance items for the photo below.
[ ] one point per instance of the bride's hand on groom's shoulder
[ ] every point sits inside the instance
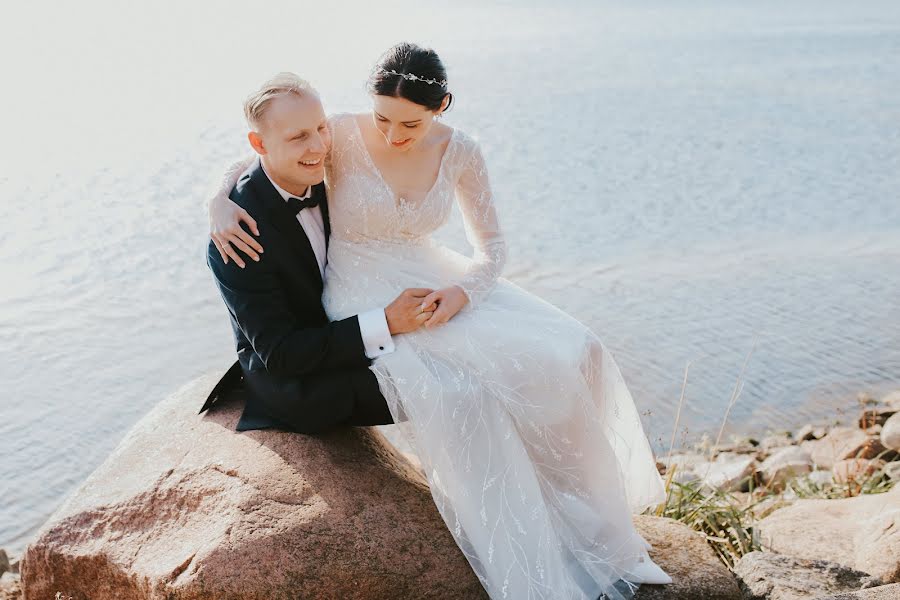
(449, 300)
(227, 234)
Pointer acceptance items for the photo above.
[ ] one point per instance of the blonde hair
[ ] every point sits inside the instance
(284, 83)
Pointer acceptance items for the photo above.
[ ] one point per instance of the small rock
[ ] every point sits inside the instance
(739, 448)
(874, 430)
(771, 442)
(890, 432)
(729, 472)
(865, 398)
(881, 592)
(727, 456)
(804, 433)
(892, 399)
(784, 464)
(856, 470)
(778, 577)
(686, 461)
(4, 562)
(10, 587)
(892, 471)
(875, 415)
(821, 477)
(841, 443)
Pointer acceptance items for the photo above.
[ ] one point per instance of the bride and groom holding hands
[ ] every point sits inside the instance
(345, 311)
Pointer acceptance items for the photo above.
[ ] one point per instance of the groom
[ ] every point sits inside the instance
(299, 371)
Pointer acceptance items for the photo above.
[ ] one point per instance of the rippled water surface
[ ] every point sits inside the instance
(711, 186)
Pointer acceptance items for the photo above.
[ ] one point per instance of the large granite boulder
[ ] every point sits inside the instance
(778, 577)
(187, 508)
(685, 555)
(862, 532)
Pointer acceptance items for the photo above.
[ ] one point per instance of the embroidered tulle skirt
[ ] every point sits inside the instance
(529, 438)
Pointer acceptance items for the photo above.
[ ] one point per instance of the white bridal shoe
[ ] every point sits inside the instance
(647, 571)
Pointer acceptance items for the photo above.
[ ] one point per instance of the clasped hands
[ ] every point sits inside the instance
(413, 308)
(416, 307)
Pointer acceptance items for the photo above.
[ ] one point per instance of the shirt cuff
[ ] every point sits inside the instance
(376, 336)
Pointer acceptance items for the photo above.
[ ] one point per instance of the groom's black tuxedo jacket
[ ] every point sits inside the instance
(299, 371)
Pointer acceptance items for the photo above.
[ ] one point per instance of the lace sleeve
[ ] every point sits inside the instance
(336, 127)
(229, 179)
(473, 193)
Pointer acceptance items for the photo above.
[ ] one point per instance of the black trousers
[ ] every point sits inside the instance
(371, 408)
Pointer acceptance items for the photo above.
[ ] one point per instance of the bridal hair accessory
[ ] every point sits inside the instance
(414, 77)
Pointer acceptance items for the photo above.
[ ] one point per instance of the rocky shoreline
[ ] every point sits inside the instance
(834, 455)
(812, 513)
(800, 514)
(10, 584)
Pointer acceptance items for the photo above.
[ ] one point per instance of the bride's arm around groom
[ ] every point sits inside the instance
(301, 370)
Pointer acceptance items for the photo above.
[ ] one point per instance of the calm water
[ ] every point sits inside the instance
(695, 182)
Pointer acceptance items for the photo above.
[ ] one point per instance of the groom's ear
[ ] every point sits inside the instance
(256, 141)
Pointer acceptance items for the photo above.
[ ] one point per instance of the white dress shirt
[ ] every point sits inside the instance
(373, 325)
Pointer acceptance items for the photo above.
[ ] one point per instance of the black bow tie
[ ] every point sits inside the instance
(297, 204)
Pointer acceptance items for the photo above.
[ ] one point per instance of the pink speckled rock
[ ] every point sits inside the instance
(686, 556)
(187, 508)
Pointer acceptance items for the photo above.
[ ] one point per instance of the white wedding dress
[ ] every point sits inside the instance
(528, 436)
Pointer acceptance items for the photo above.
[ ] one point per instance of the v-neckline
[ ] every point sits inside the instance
(398, 200)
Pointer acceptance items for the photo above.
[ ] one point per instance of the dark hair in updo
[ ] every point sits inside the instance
(407, 58)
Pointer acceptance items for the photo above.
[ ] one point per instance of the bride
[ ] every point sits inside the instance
(528, 435)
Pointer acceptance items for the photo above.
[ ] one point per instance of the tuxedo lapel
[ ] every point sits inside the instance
(286, 222)
(323, 206)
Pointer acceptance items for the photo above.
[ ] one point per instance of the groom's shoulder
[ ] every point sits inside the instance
(244, 193)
